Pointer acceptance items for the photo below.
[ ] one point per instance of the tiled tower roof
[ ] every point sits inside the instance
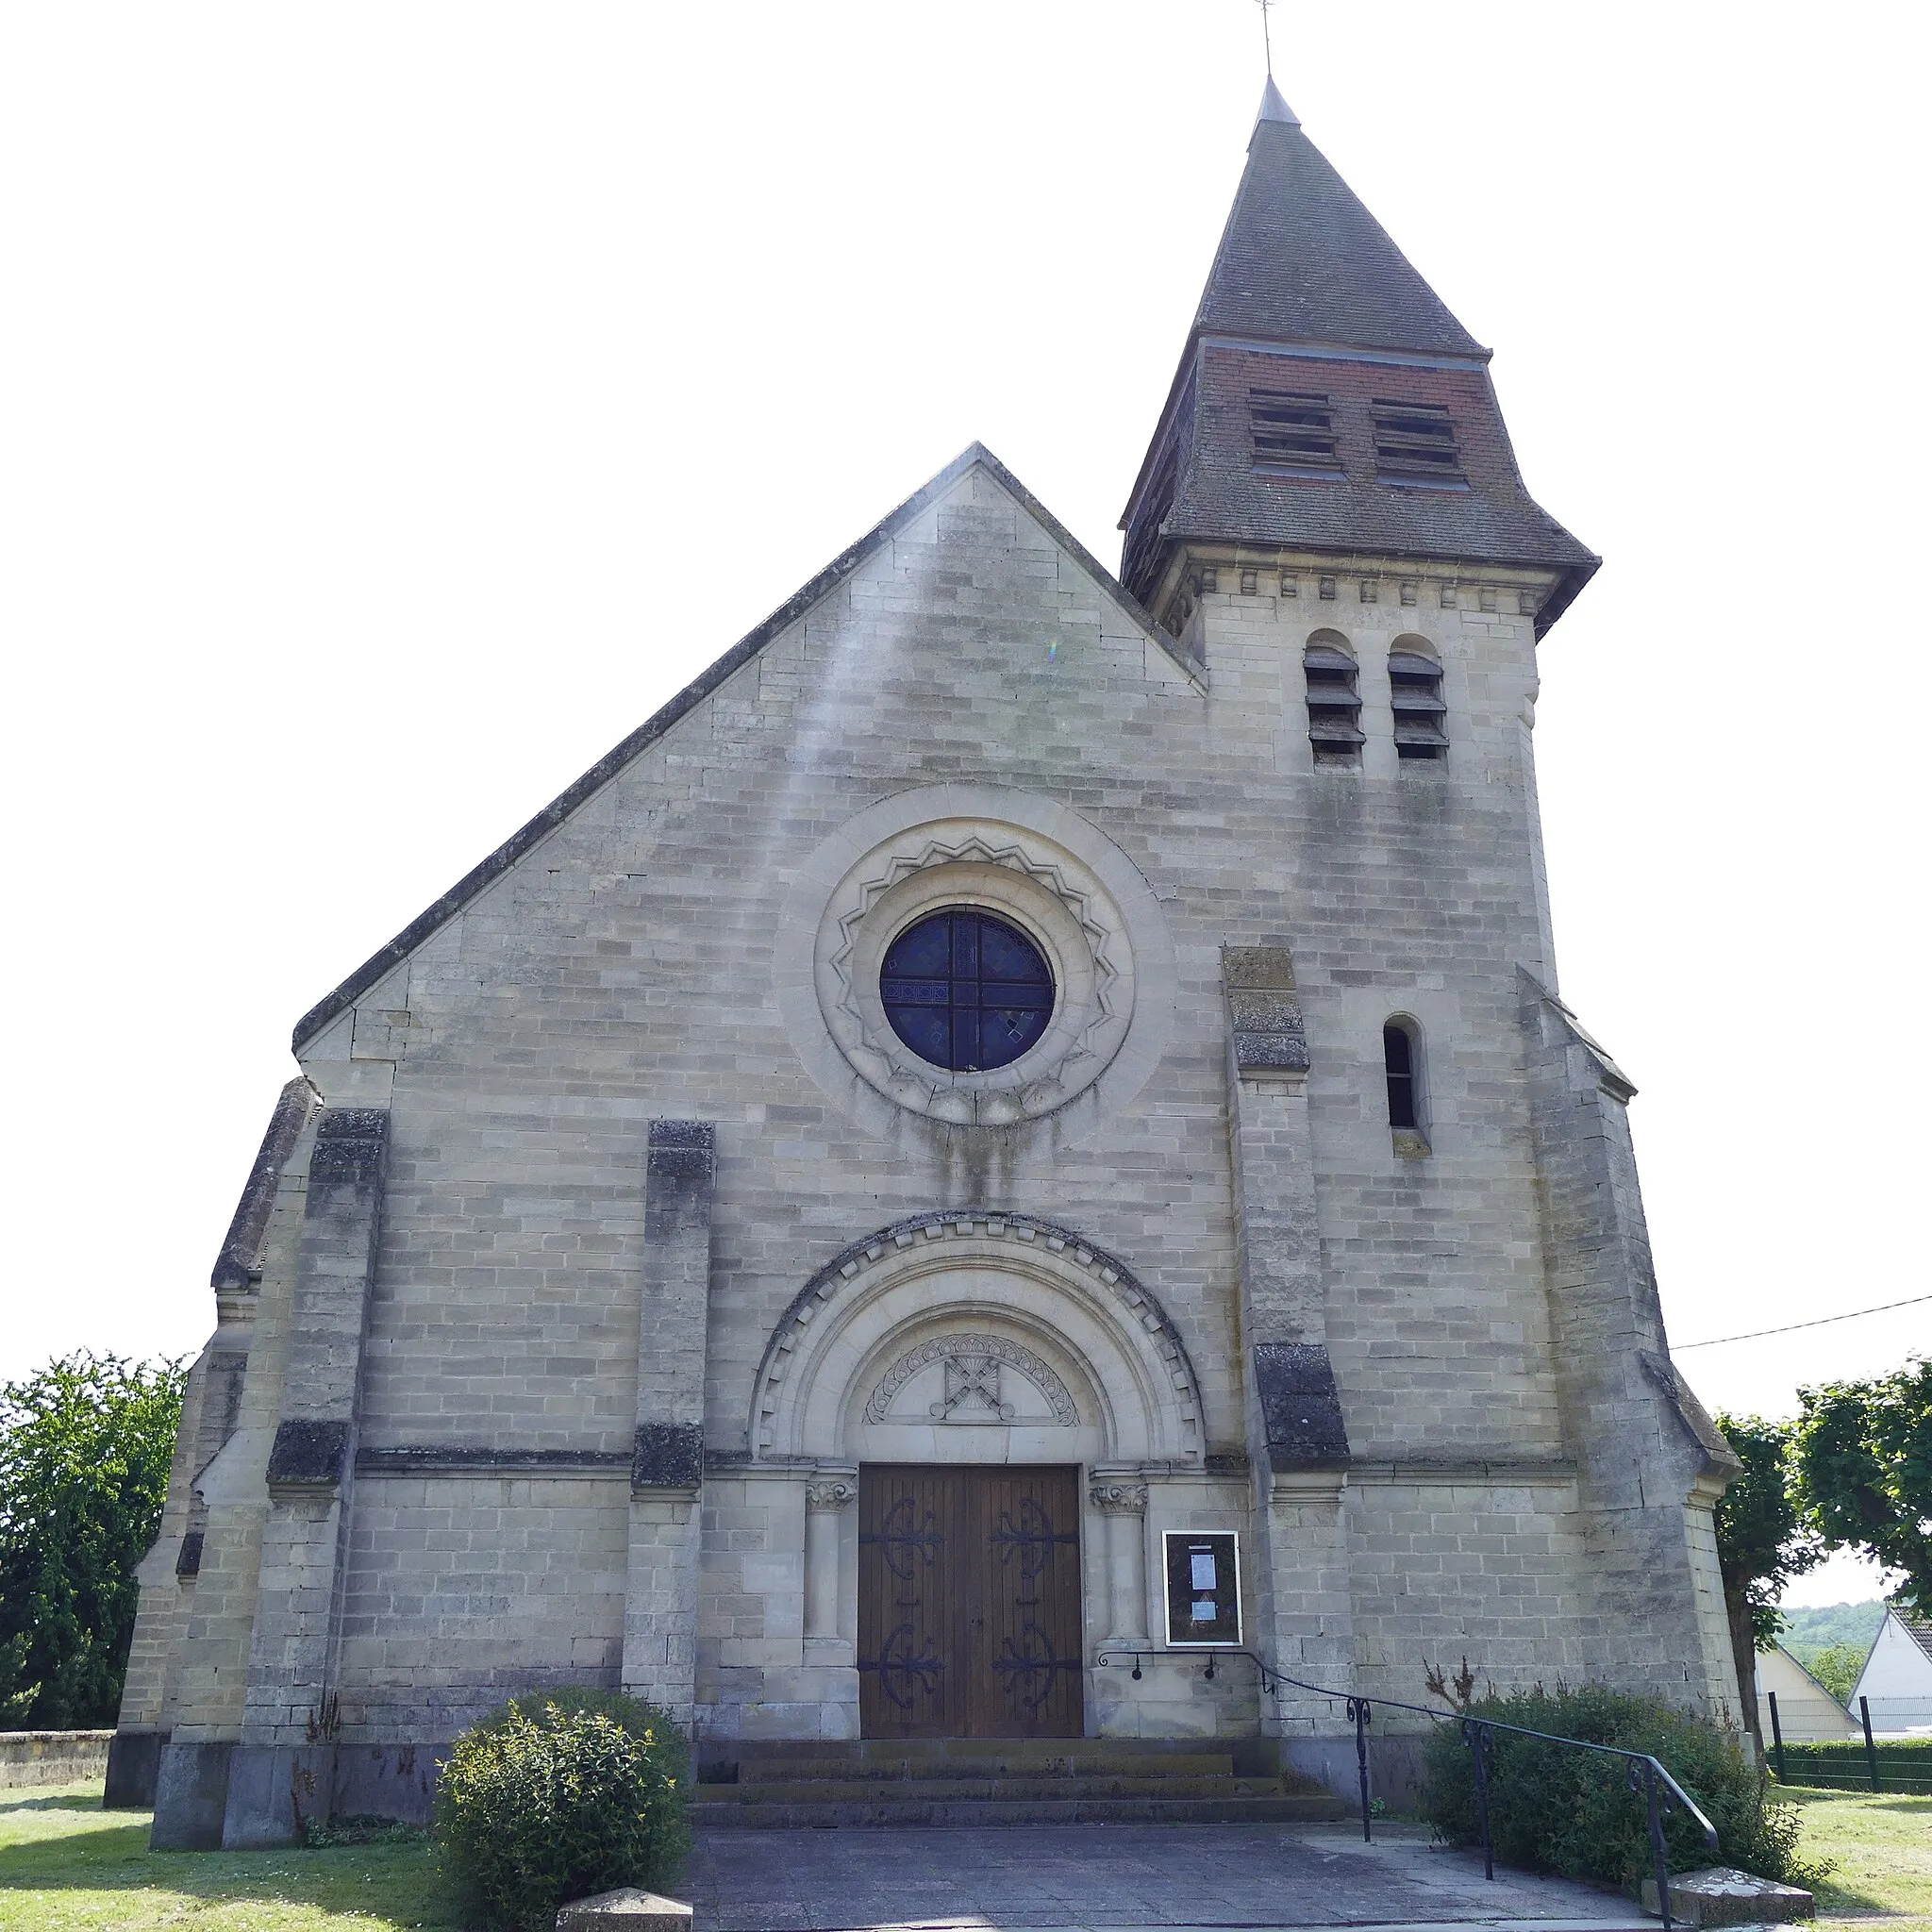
(1327, 400)
(1302, 260)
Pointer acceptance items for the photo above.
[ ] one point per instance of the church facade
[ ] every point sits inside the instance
(1019, 1133)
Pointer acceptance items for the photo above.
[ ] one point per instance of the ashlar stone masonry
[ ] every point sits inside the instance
(621, 1263)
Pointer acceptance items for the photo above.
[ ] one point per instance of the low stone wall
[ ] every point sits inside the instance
(52, 1758)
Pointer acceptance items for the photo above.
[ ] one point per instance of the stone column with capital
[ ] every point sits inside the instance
(827, 1496)
(826, 1689)
(1122, 1500)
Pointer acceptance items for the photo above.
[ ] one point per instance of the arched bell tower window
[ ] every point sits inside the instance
(966, 990)
(1415, 693)
(1335, 702)
(1402, 1061)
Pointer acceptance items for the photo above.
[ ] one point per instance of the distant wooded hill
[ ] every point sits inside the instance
(1855, 1625)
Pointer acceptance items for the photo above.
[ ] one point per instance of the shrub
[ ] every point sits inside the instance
(1556, 1810)
(540, 1804)
(633, 1714)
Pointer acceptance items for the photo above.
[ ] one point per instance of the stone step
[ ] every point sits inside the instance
(862, 1748)
(1282, 1809)
(1100, 1761)
(834, 1790)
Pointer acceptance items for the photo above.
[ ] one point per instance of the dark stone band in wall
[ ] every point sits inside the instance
(669, 1456)
(1300, 1406)
(683, 1147)
(308, 1455)
(1269, 1053)
(679, 1173)
(460, 1458)
(348, 1148)
(1264, 1018)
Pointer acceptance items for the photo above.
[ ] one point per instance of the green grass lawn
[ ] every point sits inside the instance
(1882, 1846)
(65, 1863)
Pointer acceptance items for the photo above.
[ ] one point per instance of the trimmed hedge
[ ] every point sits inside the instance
(1556, 1810)
(1905, 1764)
(558, 1796)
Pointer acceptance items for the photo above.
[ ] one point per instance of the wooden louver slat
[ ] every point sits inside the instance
(1291, 430)
(1416, 442)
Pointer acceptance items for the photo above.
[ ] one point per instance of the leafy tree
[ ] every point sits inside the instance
(1837, 1667)
(1761, 1544)
(85, 1445)
(1862, 1456)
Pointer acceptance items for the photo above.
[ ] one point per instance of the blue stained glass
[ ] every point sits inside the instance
(965, 991)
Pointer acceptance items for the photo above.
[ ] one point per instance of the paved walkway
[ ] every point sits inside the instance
(1096, 1878)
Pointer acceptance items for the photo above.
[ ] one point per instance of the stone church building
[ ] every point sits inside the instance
(1019, 1134)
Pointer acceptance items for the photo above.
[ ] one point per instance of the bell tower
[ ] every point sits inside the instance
(1449, 1290)
(1328, 405)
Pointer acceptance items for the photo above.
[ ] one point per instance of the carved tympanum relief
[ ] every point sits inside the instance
(970, 1391)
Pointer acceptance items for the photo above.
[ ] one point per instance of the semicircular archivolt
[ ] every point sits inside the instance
(983, 1234)
(972, 1350)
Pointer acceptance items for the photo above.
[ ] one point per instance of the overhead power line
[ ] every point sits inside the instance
(1719, 1340)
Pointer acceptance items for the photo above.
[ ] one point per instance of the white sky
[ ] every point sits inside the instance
(398, 403)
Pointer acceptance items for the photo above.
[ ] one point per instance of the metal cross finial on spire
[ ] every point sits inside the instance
(1273, 107)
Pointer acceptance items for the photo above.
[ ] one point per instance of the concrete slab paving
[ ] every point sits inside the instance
(1117, 1877)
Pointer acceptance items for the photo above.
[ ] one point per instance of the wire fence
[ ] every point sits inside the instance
(1808, 1719)
(1882, 1744)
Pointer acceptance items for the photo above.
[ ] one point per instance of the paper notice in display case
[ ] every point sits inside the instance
(1204, 1588)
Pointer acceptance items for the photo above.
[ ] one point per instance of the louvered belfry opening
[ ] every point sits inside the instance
(1415, 442)
(1415, 694)
(1292, 432)
(1335, 704)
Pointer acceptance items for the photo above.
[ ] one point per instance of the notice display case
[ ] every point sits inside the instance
(1204, 1589)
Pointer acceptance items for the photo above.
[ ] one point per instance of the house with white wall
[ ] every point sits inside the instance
(1896, 1681)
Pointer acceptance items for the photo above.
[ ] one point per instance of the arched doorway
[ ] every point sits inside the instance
(975, 1403)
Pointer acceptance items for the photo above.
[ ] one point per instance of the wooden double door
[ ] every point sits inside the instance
(969, 1602)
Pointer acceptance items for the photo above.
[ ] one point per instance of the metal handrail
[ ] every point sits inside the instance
(1663, 1794)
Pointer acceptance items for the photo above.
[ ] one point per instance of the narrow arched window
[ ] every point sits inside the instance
(1415, 694)
(1335, 704)
(1401, 1058)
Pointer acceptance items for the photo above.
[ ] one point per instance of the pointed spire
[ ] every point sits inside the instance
(1302, 260)
(1274, 108)
(1310, 302)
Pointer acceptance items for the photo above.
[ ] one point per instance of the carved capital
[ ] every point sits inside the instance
(1116, 1496)
(829, 1493)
